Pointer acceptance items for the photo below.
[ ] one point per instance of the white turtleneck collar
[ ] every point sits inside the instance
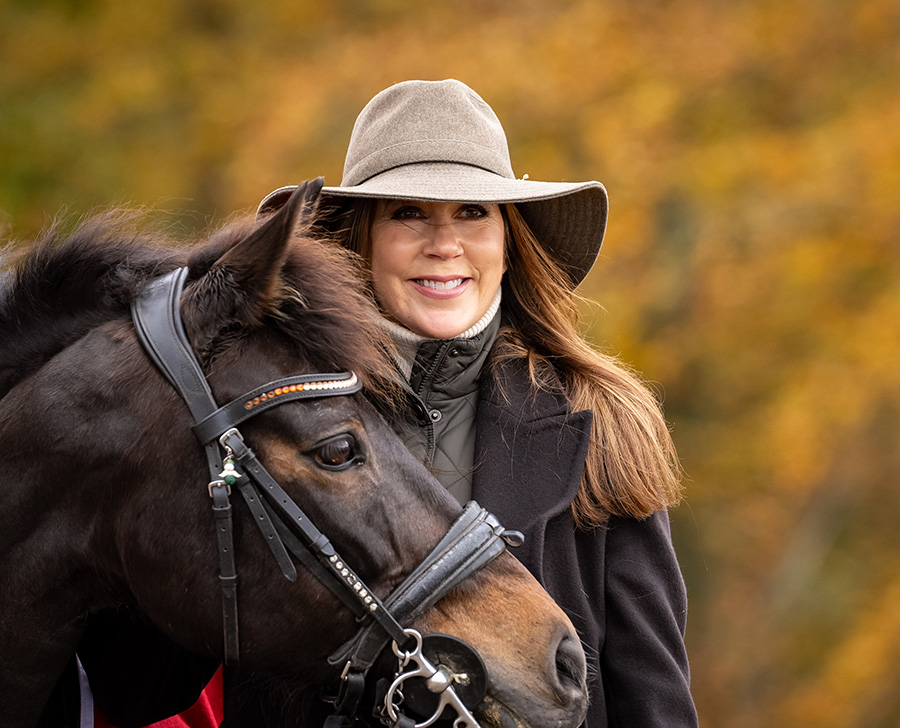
(407, 342)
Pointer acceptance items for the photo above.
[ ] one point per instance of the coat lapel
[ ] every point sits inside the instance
(530, 451)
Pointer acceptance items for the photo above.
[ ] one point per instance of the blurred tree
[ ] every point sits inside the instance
(751, 267)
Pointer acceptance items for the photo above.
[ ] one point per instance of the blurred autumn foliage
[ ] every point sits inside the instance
(752, 153)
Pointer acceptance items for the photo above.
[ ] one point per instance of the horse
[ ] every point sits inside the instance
(105, 490)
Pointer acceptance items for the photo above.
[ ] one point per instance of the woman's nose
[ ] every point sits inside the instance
(444, 241)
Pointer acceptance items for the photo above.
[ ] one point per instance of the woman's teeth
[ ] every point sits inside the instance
(440, 285)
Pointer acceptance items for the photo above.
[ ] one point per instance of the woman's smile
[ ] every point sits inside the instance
(441, 290)
(436, 285)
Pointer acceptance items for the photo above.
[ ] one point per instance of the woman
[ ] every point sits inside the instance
(474, 271)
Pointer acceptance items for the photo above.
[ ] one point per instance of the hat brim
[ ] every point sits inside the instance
(569, 218)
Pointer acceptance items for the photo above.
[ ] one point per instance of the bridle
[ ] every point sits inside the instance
(474, 539)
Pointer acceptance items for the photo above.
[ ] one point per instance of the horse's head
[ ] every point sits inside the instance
(119, 482)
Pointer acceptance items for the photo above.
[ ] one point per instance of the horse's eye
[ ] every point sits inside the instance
(338, 453)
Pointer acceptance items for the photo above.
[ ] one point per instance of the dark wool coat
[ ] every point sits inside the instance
(620, 584)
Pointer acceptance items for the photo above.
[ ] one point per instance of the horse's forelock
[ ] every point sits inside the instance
(321, 305)
(325, 310)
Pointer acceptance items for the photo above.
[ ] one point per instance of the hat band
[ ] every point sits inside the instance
(446, 151)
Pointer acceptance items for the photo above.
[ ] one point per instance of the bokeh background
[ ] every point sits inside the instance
(751, 149)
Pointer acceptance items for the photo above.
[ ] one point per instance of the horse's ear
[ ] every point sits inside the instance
(244, 283)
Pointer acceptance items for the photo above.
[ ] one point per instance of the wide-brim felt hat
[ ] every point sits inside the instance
(440, 141)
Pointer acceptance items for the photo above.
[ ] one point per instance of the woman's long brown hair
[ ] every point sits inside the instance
(632, 468)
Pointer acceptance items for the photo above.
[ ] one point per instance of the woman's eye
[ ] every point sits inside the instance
(474, 212)
(406, 212)
(338, 452)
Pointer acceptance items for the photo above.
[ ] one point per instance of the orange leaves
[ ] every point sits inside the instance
(751, 267)
(859, 676)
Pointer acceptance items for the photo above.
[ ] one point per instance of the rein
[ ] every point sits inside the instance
(474, 539)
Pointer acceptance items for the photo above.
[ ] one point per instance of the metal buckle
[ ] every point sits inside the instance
(228, 433)
(214, 483)
(346, 670)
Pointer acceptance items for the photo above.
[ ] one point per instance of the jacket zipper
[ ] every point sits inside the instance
(425, 384)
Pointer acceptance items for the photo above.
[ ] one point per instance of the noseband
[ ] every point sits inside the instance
(473, 540)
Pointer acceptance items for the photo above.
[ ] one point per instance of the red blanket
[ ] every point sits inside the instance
(205, 713)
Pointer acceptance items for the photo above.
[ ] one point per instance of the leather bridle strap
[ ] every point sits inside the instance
(157, 319)
(474, 539)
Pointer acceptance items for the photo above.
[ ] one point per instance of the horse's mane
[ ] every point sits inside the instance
(65, 285)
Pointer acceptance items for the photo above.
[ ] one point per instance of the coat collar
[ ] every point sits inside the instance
(530, 449)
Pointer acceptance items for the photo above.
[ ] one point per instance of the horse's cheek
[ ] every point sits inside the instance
(172, 572)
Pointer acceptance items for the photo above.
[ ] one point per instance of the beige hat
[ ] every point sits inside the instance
(440, 141)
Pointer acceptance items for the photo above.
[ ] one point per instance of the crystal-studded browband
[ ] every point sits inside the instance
(317, 386)
(305, 386)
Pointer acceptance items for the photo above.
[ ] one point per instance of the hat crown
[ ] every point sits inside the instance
(425, 121)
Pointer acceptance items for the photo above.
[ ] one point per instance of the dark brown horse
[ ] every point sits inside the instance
(103, 487)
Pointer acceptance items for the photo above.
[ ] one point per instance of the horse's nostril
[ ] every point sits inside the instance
(570, 665)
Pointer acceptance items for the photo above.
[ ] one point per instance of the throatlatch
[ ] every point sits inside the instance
(435, 672)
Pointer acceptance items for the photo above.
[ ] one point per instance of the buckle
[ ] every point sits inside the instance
(350, 690)
(231, 432)
(216, 484)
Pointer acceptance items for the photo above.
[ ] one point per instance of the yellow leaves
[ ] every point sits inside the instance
(857, 685)
(751, 267)
(133, 86)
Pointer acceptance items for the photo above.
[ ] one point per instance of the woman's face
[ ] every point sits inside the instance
(436, 266)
